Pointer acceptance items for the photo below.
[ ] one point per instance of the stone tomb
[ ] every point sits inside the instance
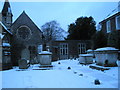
(86, 58)
(45, 58)
(106, 56)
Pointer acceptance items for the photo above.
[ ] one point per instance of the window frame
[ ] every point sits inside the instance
(81, 48)
(63, 48)
(108, 26)
(20, 37)
(117, 26)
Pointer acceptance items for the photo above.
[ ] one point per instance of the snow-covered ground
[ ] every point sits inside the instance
(60, 77)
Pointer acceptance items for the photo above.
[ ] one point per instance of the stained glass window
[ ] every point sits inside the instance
(24, 32)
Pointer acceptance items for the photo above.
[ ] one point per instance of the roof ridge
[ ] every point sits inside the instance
(24, 13)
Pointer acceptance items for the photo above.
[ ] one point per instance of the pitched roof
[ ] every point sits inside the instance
(5, 28)
(23, 19)
(114, 15)
(6, 7)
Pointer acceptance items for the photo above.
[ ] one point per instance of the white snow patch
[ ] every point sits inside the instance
(6, 44)
(45, 52)
(89, 50)
(86, 55)
(60, 77)
(106, 49)
(1, 36)
(0, 80)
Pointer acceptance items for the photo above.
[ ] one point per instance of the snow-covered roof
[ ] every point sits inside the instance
(1, 36)
(6, 44)
(89, 50)
(86, 55)
(106, 49)
(45, 52)
(5, 27)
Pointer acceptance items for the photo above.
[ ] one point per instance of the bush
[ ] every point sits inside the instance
(99, 40)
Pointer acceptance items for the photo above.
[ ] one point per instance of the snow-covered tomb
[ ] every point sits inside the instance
(45, 58)
(106, 56)
(86, 58)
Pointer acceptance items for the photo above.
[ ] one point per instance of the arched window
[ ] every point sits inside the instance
(24, 32)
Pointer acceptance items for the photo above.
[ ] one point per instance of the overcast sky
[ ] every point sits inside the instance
(63, 12)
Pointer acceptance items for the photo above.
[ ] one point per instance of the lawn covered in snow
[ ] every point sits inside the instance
(59, 76)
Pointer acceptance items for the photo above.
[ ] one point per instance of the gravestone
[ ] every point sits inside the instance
(25, 54)
(23, 64)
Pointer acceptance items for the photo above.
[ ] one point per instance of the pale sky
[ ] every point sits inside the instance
(63, 12)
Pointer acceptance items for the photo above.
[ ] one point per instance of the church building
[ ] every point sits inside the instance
(26, 38)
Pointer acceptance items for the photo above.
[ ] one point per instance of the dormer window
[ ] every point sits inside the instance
(108, 26)
(118, 22)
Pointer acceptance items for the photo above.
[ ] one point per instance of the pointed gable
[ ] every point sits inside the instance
(6, 8)
(24, 19)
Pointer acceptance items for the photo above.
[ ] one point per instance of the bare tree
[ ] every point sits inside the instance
(52, 31)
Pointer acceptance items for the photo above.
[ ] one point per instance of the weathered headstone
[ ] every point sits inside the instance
(23, 64)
